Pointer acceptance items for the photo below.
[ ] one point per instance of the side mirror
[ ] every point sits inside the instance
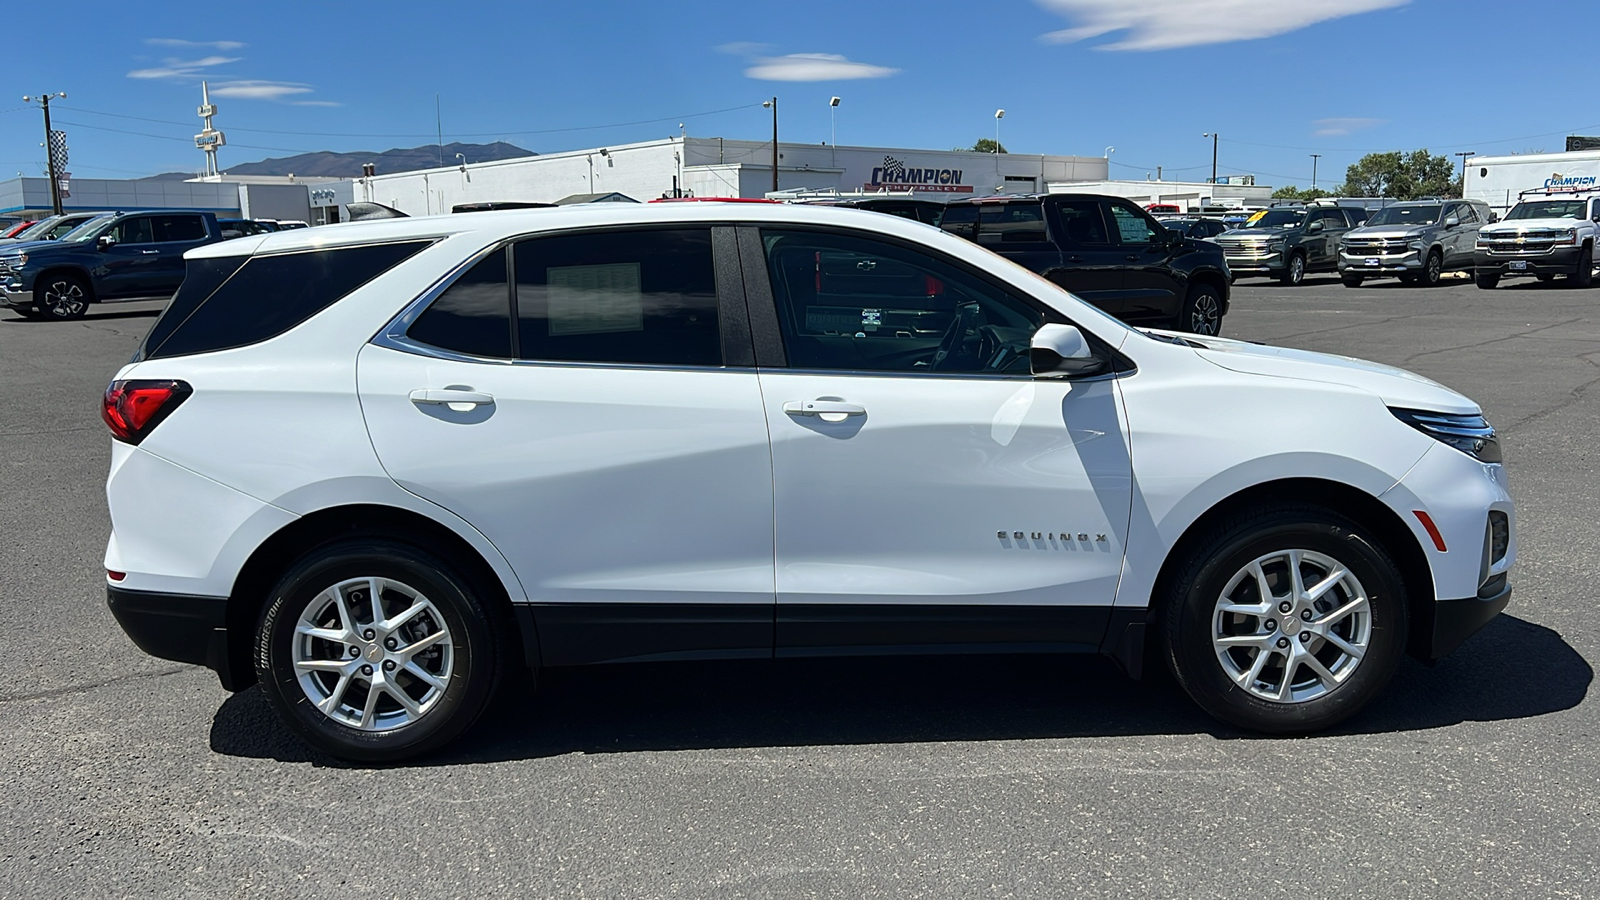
(1062, 350)
(105, 242)
(1174, 237)
(1316, 226)
(1452, 221)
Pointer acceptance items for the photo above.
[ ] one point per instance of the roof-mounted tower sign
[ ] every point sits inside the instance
(209, 139)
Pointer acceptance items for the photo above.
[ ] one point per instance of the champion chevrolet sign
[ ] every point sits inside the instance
(895, 175)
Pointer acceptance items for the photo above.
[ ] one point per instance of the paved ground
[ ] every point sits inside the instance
(129, 776)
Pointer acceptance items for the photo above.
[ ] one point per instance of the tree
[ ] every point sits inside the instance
(984, 145)
(1403, 176)
(1293, 193)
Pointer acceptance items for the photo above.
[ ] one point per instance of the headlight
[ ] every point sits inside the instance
(15, 262)
(1570, 236)
(1415, 243)
(1275, 246)
(1471, 435)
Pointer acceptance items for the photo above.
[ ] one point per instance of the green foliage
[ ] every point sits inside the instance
(1293, 193)
(984, 145)
(1404, 176)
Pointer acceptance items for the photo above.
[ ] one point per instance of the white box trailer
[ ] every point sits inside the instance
(1498, 180)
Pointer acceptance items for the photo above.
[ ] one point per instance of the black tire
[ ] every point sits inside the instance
(1295, 273)
(1486, 280)
(1191, 617)
(1201, 312)
(1432, 270)
(1584, 276)
(1351, 280)
(470, 663)
(62, 296)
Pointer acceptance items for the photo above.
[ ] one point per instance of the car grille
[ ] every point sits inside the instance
(5, 270)
(1375, 247)
(1527, 243)
(1244, 249)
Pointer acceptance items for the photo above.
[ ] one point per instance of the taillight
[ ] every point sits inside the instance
(134, 408)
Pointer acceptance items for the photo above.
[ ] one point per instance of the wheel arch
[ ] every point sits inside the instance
(1386, 525)
(70, 269)
(277, 553)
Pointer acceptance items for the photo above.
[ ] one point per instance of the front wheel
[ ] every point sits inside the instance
(1201, 312)
(376, 651)
(1486, 280)
(1584, 276)
(1288, 620)
(1295, 274)
(1351, 280)
(1433, 269)
(63, 296)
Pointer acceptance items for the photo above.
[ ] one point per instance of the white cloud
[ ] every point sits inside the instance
(259, 90)
(1336, 127)
(179, 68)
(176, 42)
(1166, 24)
(315, 103)
(813, 67)
(744, 48)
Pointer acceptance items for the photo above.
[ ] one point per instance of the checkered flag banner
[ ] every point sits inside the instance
(892, 166)
(58, 150)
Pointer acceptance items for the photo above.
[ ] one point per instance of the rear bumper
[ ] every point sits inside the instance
(180, 627)
(1456, 620)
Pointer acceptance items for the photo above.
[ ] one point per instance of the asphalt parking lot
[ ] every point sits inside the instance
(131, 776)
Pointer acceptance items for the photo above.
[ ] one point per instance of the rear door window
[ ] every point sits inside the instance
(1011, 223)
(643, 296)
(178, 229)
(263, 296)
(473, 315)
(1083, 223)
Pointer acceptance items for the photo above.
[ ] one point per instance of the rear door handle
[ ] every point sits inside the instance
(823, 408)
(151, 252)
(452, 398)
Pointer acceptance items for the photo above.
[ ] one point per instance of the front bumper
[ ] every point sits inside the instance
(1456, 620)
(12, 296)
(1559, 261)
(1407, 263)
(1255, 263)
(179, 627)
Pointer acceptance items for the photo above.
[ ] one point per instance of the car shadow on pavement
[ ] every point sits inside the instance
(92, 315)
(1513, 669)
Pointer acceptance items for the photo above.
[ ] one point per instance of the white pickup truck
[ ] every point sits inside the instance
(1546, 234)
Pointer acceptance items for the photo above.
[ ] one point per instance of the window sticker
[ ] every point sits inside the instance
(601, 299)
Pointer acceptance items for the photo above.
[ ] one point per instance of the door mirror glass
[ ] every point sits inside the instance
(1062, 350)
(1452, 221)
(106, 241)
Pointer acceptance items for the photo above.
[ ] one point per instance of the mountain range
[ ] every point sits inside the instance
(326, 163)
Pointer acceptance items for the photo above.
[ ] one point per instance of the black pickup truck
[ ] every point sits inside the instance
(115, 257)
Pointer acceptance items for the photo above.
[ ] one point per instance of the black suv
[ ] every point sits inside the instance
(1106, 250)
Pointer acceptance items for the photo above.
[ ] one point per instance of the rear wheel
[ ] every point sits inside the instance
(1202, 311)
(377, 651)
(63, 296)
(1486, 280)
(1584, 276)
(1287, 620)
(1296, 272)
(1351, 280)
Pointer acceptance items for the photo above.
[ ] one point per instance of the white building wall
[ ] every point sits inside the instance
(714, 167)
(1497, 180)
(1184, 193)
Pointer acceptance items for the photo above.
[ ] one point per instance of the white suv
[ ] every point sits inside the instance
(375, 466)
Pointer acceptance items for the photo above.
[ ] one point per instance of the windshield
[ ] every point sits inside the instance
(1277, 218)
(1549, 209)
(86, 230)
(1405, 215)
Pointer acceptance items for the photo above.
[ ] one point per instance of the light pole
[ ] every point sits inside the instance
(998, 115)
(55, 183)
(1314, 158)
(833, 128)
(1464, 154)
(1213, 135)
(773, 104)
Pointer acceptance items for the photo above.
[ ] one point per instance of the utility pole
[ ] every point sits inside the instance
(1314, 158)
(773, 103)
(1464, 154)
(1213, 135)
(49, 151)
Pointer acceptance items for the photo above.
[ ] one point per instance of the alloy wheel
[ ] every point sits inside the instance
(1291, 626)
(372, 653)
(64, 300)
(1206, 317)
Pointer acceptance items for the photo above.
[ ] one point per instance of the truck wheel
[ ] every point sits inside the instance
(1584, 277)
(63, 296)
(1433, 269)
(1296, 273)
(1351, 280)
(1288, 620)
(1201, 312)
(1486, 280)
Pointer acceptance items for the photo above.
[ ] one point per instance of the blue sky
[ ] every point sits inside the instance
(1278, 79)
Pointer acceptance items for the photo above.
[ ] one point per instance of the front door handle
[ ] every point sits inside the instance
(823, 408)
(151, 252)
(455, 399)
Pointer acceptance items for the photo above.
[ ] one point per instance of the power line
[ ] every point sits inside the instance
(472, 134)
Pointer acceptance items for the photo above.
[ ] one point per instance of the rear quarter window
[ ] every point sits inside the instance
(232, 302)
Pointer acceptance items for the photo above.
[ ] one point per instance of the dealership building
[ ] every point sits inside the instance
(717, 167)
